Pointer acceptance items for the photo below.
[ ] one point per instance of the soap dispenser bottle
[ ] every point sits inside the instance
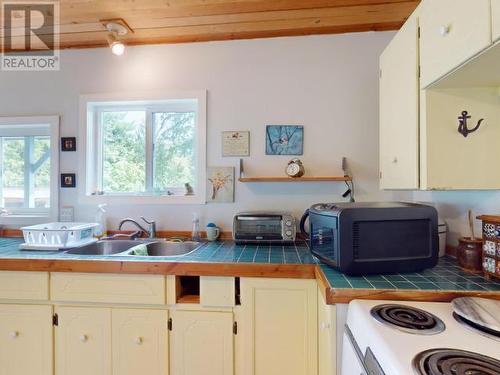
(100, 218)
(195, 234)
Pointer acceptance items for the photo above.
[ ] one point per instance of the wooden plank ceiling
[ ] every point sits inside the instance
(177, 21)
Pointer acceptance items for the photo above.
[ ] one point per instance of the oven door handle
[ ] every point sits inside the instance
(357, 350)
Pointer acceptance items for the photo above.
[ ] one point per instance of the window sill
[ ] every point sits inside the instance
(25, 219)
(142, 199)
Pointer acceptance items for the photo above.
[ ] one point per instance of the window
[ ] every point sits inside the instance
(29, 168)
(151, 148)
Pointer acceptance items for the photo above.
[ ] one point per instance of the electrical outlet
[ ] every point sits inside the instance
(67, 214)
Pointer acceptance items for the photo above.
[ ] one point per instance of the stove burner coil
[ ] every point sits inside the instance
(408, 319)
(454, 362)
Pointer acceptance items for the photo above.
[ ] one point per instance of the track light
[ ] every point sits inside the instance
(116, 30)
(117, 48)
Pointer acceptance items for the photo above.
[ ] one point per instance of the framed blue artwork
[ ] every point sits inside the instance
(284, 140)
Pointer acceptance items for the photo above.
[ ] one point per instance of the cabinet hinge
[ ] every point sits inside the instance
(235, 328)
(418, 32)
(419, 71)
(380, 175)
(55, 320)
(380, 73)
(169, 324)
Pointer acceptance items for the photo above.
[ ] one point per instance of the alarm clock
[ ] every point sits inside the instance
(295, 168)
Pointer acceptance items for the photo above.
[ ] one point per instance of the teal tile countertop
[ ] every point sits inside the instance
(212, 252)
(446, 276)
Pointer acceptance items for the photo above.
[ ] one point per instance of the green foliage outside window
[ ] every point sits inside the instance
(124, 151)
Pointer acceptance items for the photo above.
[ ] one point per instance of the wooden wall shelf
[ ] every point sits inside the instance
(290, 179)
(243, 178)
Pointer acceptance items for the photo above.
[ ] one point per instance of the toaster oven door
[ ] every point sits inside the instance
(323, 238)
(258, 228)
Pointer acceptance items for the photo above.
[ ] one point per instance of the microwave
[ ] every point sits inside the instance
(374, 238)
(257, 227)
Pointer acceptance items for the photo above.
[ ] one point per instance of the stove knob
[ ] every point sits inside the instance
(288, 223)
(288, 233)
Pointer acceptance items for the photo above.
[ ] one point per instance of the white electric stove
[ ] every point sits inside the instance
(420, 338)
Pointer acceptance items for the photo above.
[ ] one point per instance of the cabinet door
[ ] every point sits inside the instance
(450, 161)
(326, 337)
(140, 342)
(201, 343)
(495, 14)
(399, 96)
(452, 31)
(277, 327)
(83, 341)
(26, 340)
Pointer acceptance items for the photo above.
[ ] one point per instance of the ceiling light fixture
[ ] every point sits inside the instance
(116, 31)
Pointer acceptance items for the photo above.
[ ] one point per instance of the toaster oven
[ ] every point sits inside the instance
(256, 227)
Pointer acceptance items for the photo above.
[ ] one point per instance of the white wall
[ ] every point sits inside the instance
(329, 84)
(454, 205)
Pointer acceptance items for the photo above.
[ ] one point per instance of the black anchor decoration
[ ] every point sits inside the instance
(462, 127)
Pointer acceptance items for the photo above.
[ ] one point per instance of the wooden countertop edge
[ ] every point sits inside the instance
(323, 284)
(334, 296)
(298, 271)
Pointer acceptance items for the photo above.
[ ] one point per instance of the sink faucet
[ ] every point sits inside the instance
(151, 232)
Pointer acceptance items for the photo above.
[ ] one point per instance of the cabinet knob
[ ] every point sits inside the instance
(84, 338)
(395, 160)
(444, 30)
(325, 325)
(138, 340)
(14, 334)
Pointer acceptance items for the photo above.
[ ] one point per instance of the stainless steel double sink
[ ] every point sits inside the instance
(148, 248)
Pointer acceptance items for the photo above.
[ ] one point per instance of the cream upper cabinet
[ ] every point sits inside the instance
(452, 31)
(450, 161)
(83, 341)
(140, 342)
(399, 96)
(277, 330)
(495, 14)
(26, 340)
(201, 343)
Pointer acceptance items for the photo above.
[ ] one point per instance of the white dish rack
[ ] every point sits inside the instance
(57, 236)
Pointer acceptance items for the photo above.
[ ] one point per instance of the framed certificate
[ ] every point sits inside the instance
(236, 143)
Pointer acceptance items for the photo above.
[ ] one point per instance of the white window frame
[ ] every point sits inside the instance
(27, 216)
(90, 166)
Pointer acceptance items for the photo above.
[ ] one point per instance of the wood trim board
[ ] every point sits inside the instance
(181, 21)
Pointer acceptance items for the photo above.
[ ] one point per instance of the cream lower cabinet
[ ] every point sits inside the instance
(399, 97)
(83, 341)
(452, 31)
(105, 341)
(26, 340)
(139, 341)
(201, 343)
(327, 337)
(277, 327)
(495, 17)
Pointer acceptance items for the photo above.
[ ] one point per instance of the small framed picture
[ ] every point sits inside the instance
(284, 140)
(236, 143)
(68, 144)
(68, 180)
